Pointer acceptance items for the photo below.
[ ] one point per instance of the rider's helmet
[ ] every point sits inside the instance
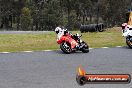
(58, 29)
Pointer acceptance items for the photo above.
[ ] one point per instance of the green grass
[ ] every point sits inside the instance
(25, 42)
(110, 38)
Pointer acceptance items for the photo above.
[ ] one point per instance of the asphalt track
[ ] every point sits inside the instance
(54, 69)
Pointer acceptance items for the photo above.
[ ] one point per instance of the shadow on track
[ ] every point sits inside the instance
(126, 47)
(77, 52)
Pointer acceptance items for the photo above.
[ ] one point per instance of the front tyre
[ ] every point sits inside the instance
(129, 41)
(65, 47)
(85, 48)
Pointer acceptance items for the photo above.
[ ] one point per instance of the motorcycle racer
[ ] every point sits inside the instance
(70, 43)
(127, 30)
(61, 31)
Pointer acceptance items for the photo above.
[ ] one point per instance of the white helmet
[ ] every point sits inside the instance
(58, 29)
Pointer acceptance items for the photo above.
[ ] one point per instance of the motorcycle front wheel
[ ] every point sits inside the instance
(65, 47)
(85, 48)
(129, 42)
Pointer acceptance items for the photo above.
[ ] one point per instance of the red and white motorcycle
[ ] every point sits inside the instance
(69, 43)
(127, 33)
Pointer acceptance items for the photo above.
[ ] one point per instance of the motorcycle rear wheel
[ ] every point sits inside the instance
(85, 48)
(65, 47)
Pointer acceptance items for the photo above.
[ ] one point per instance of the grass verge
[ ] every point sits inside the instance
(25, 42)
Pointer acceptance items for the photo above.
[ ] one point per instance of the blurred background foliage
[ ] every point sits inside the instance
(47, 14)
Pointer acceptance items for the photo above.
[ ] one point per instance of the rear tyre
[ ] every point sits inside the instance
(85, 48)
(65, 47)
(129, 42)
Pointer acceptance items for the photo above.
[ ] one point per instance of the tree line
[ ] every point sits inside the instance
(47, 14)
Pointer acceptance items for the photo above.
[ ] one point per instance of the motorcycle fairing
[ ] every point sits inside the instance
(67, 38)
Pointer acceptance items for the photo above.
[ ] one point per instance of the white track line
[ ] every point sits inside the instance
(28, 51)
(105, 47)
(47, 50)
(118, 46)
(91, 48)
(5, 52)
